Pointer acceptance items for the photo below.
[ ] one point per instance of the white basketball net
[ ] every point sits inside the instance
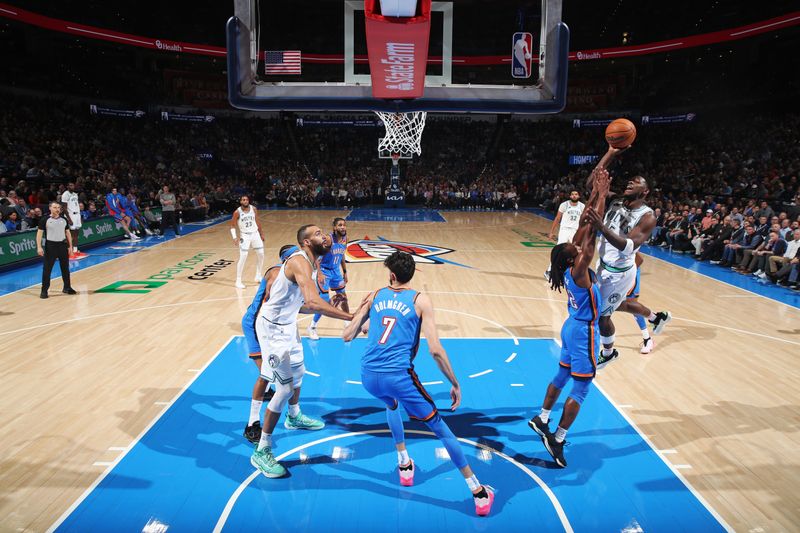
(403, 131)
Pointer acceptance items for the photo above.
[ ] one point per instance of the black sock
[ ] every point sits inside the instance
(409, 466)
(480, 494)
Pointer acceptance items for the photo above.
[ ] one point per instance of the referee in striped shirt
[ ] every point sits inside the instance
(58, 245)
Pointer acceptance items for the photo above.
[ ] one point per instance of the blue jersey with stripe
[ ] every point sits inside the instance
(331, 262)
(582, 304)
(394, 329)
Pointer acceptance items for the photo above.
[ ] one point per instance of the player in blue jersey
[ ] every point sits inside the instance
(334, 269)
(398, 314)
(260, 393)
(580, 334)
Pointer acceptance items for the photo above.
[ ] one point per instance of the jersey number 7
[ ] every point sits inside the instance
(389, 322)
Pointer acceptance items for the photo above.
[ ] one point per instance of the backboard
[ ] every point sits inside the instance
(471, 64)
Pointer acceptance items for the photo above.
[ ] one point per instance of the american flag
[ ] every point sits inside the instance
(282, 62)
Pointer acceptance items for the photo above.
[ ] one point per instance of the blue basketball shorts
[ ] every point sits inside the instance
(580, 345)
(634, 292)
(250, 338)
(403, 388)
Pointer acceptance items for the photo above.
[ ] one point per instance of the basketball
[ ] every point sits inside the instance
(620, 133)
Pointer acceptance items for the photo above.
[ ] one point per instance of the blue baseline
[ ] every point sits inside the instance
(718, 273)
(31, 274)
(186, 467)
(362, 214)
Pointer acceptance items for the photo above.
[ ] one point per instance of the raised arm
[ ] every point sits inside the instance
(299, 271)
(580, 270)
(605, 161)
(424, 307)
(585, 228)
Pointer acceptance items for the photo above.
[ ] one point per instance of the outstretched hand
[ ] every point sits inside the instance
(593, 217)
(601, 181)
(616, 151)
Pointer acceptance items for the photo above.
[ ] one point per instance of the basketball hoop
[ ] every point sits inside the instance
(403, 132)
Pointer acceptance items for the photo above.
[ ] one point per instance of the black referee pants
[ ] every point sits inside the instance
(52, 251)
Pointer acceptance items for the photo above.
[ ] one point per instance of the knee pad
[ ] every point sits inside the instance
(283, 391)
(580, 388)
(561, 377)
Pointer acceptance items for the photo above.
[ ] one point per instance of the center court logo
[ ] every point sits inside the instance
(369, 251)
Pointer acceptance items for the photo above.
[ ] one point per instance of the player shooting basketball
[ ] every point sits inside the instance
(628, 223)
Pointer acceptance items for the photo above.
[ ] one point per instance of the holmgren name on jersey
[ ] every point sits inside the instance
(400, 307)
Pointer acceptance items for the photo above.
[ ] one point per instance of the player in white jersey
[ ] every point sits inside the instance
(295, 288)
(567, 220)
(245, 219)
(627, 224)
(72, 208)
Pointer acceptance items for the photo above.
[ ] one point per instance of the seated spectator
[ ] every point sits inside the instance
(11, 221)
(732, 244)
(777, 264)
(92, 211)
(754, 261)
(705, 236)
(31, 220)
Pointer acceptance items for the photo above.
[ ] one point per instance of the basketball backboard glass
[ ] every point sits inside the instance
(492, 56)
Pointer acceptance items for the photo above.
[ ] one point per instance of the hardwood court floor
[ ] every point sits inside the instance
(83, 376)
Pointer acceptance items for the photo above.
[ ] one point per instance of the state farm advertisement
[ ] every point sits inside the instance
(398, 51)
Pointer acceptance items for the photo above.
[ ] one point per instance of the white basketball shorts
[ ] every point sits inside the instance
(614, 288)
(566, 235)
(281, 352)
(75, 217)
(250, 240)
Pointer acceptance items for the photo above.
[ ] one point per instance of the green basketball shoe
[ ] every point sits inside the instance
(265, 462)
(302, 421)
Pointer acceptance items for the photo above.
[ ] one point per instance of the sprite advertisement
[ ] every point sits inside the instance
(21, 246)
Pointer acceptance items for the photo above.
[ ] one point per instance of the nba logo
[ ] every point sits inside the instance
(521, 54)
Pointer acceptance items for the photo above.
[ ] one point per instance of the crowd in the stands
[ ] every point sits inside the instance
(719, 192)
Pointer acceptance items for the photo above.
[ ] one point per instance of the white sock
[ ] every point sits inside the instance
(645, 334)
(472, 483)
(294, 410)
(314, 323)
(545, 415)
(265, 442)
(403, 458)
(255, 411)
(240, 264)
(651, 316)
(561, 434)
(259, 261)
(608, 351)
